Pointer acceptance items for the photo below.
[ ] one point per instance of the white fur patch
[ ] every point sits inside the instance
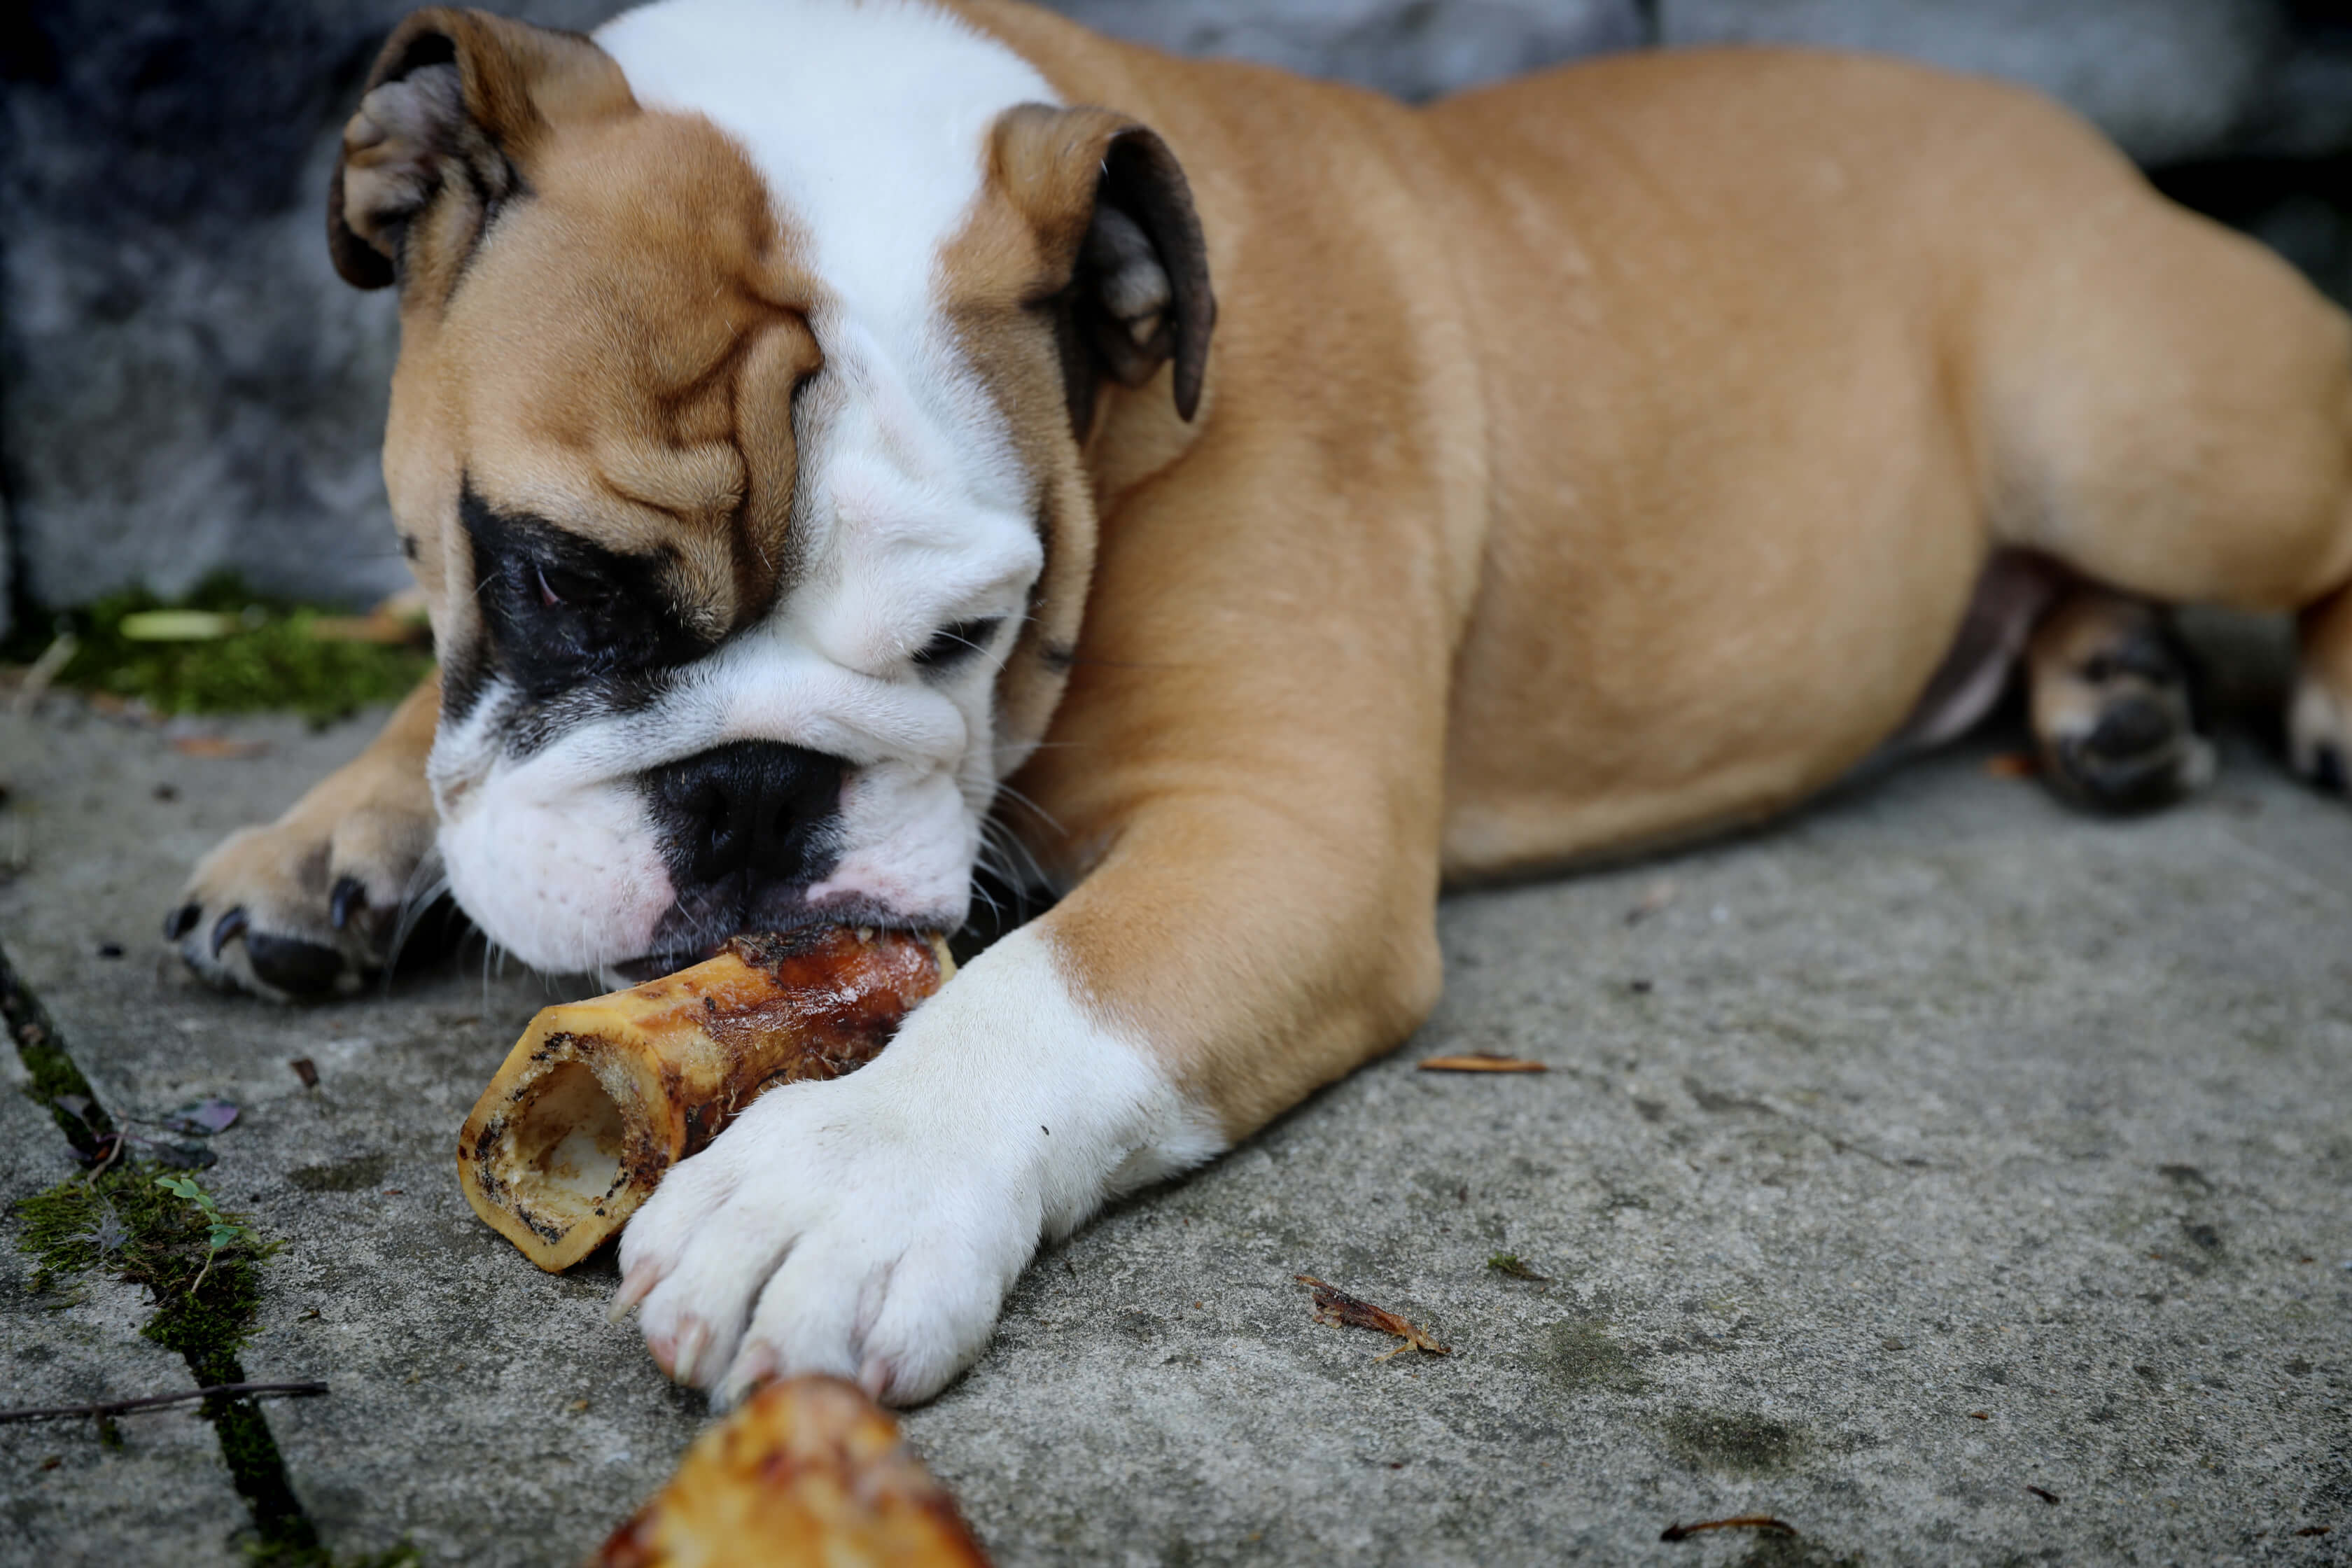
(870, 1227)
(550, 856)
(869, 119)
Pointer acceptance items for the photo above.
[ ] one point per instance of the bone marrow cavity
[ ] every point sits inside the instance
(563, 1145)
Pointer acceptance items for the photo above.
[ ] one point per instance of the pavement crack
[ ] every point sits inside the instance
(206, 1341)
(55, 1082)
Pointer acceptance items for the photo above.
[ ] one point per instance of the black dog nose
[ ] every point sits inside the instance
(749, 806)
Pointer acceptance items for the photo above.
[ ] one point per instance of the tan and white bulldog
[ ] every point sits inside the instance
(847, 443)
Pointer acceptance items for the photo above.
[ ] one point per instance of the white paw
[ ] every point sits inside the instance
(870, 1227)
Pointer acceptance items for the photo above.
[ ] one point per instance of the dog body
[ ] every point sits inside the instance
(808, 432)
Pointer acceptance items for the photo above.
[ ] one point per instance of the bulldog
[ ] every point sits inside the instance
(846, 445)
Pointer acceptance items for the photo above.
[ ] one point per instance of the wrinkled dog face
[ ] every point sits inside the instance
(742, 357)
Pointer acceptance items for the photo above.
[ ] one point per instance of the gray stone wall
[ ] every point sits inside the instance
(186, 386)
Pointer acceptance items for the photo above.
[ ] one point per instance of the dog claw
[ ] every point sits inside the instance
(182, 921)
(348, 897)
(633, 1287)
(693, 1343)
(751, 1368)
(227, 928)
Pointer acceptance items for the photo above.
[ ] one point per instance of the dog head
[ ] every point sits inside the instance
(739, 437)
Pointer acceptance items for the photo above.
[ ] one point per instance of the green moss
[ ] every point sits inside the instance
(201, 1270)
(201, 1267)
(269, 660)
(1733, 1442)
(124, 1224)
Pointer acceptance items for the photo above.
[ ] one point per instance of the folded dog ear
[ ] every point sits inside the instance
(444, 135)
(1109, 201)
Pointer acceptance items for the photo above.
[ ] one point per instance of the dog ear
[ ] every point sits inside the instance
(443, 134)
(1111, 204)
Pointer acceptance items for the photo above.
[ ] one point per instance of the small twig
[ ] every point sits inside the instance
(1743, 1521)
(153, 1401)
(44, 670)
(1481, 1061)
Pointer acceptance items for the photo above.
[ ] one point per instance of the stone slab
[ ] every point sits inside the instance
(1937, 1144)
(454, 1366)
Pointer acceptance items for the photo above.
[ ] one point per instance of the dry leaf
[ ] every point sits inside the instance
(176, 625)
(1482, 1062)
(202, 1118)
(217, 746)
(1656, 897)
(1341, 1311)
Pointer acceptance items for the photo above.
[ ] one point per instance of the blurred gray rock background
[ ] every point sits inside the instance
(187, 387)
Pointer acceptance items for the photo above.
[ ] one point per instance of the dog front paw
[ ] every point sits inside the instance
(310, 904)
(819, 1234)
(870, 1227)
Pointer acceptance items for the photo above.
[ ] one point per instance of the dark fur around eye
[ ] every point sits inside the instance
(955, 644)
(560, 611)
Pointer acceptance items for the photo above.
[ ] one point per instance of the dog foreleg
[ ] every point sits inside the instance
(1195, 983)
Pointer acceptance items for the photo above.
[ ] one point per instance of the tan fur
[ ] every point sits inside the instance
(1584, 463)
(637, 384)
(1714, 379)
(370, 821)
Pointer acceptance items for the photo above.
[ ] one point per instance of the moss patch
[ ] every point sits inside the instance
(1580, 1353)
(122, 1221)
(207, 1293)
(270, 659)
(200, 1267)
(1733, 1442)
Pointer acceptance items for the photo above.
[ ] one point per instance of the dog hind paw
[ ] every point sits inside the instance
(2117, 716)
(2319, 737)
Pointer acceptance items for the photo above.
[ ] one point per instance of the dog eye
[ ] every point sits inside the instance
(957, 643)
(558, 586)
